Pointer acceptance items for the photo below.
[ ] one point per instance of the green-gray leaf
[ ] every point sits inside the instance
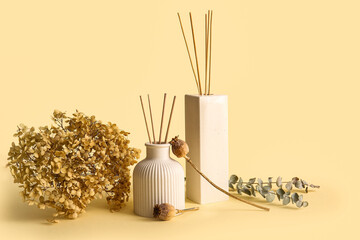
(304, 183)
(300, 197)
(286, 200)
(252, 189)
(314, 186)
(266, 188)
(298, 184)
(295, 179)
(231, 186)
(280, 193)
(246, 191)
(240, 181)
(238, 187)
(260, 190)
(288, 186)
(305, 204)
(294, 197)
(251, 180)
(279, 182)
(233, 179)
(270, 197)
(299, 204)
(260, 182)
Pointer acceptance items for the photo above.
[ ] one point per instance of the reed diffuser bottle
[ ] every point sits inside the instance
(206, 125)
(158, 178)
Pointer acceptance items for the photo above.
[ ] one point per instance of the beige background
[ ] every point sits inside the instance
(290, 69)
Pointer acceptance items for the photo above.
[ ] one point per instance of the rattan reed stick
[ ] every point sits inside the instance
(168, 127)
(152, 122)
(206, 50)
(210, 19)
(188, 51)
(196, 58)
(146, 124)
(162, 118)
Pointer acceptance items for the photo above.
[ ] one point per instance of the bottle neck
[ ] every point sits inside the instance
(157, 151)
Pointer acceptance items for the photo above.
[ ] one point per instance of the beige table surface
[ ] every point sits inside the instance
(329, 216)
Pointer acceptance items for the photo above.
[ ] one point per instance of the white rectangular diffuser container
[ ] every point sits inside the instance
(206, 133)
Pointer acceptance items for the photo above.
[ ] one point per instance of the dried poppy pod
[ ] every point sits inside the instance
(166, 211)
(179, 147)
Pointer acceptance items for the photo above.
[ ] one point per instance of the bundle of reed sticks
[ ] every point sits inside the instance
(153, 141)
(208, 47)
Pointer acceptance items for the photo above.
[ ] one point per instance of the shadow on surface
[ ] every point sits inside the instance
(274, 204)
(18, 211)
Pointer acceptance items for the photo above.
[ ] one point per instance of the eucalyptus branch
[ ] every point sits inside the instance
(265, 189)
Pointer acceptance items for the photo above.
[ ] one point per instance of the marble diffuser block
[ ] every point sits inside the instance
(206, 133)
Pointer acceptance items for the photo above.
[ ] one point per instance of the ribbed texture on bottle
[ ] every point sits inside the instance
(157, 181)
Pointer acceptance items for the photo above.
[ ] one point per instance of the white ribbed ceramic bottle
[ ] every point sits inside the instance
(157, 179)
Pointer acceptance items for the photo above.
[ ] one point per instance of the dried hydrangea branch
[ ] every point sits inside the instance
(68, 165)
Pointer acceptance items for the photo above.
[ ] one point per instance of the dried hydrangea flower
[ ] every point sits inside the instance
(68, 165)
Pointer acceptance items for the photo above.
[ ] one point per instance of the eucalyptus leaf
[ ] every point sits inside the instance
(251, 180)
(301, 197)
(294, 197)
(286, 200)
(314, 186)
(305, 204)
(239, 184)
(260, 182)
(280, 193)
(298, 184)
(279, 182)
(299, 204)
(295, 179)
(231, 186)
(270, 197)
(240, 181)
(233, 179)
(252, 190)
(238, 187)
(246, 191)
(288, 186)
(307, 189)
(266, 188)
(260, 190)
(304, 183)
